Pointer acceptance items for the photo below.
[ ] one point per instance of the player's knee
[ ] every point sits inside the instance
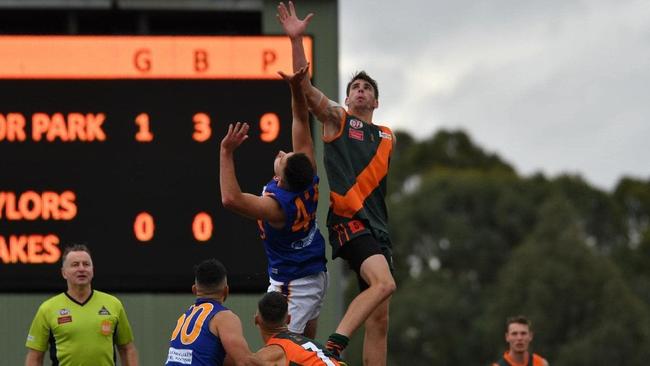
(386, 288)
(391, 287)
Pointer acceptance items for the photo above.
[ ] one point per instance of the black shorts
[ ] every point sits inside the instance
(344, 232)
(357, 250)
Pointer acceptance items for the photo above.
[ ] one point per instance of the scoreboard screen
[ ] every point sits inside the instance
(113, 142)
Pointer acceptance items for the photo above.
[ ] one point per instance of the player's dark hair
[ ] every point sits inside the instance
(363, 76)
(210, 275)
(273, 308)
(298, 172)
(519, 319)
(74, 248)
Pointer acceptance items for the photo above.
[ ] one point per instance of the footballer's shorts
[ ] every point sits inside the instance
(347, 234)
(305, 297)
(357, 250)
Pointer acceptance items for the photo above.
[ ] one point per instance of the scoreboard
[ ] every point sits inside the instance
(113, 142)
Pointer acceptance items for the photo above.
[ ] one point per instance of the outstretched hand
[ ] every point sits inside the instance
(297, 77)
(235, 136)
(292, 26)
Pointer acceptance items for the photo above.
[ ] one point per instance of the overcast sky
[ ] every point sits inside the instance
(553, 86)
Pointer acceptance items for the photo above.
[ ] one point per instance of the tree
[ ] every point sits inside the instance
(446, 149)
(634, 259)
(601, 216)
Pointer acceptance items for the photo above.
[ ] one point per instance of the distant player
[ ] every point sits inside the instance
(519, 334)
(286, 213)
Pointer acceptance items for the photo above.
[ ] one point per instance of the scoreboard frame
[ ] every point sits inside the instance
(113, 142)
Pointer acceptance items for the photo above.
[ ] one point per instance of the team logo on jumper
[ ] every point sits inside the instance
(103, 311)
(355, 123)
(385, 135)
(64, 319)
(182, 356)
(107, 327)
(64, 312)
(355, 134)
(305, 242)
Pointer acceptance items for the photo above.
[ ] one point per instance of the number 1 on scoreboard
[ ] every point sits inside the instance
(143, 134)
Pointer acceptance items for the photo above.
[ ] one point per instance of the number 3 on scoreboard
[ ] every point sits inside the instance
(202, 130)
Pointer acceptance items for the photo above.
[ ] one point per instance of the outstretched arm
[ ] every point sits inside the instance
(232, 198)
(300, 130)
(271, 355)
(327, 111)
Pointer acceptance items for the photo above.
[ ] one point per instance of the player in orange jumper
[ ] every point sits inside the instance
(283, 347)
(519, 334)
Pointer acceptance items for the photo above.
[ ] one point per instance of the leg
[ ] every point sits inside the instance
(374, 270)
(366, 258)
(375, 341)
(312, 325)
(305, 298)
(310, 328)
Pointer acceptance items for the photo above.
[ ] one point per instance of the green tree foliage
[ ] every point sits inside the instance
(634, 259)
(474, 242)
(633, 196)
(448, 149)
(435, 323)
(467, 220)
(599, 213)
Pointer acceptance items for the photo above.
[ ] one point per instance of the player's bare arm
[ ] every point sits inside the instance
(292, 25)
(128, 354)
(227, 326)
(300, 130)
(34, 358)
(272, 355)
(253, 360)
(295, 29)
(327, 111)
(232, 198)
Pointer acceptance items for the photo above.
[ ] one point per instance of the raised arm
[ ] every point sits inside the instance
(327, 111)
(300, 130)
(232, 198)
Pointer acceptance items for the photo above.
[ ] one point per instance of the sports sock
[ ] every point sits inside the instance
(336, 343)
